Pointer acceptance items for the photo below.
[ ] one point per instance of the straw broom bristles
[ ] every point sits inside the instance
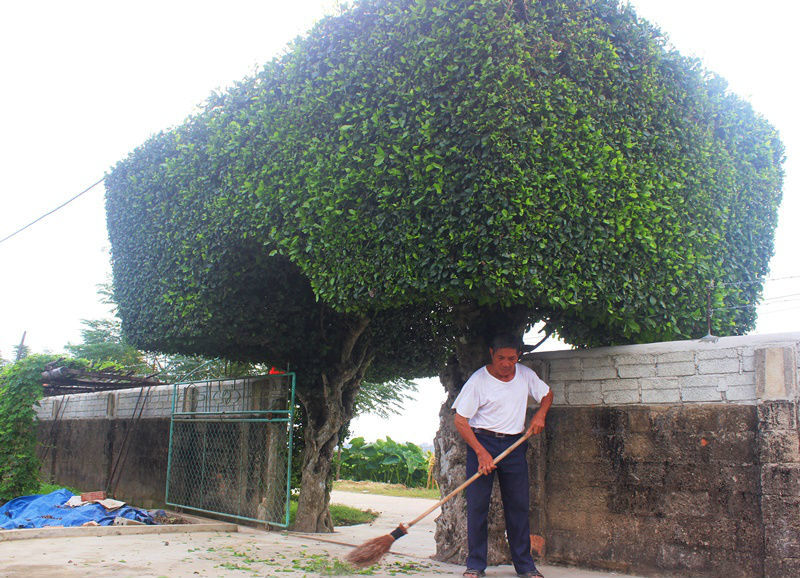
(371, 551)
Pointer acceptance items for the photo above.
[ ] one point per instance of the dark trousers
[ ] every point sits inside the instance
(512, 473)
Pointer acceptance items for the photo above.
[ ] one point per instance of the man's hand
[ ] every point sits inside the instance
(537, 424)
(485, 462)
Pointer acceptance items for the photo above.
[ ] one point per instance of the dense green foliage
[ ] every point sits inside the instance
(410, 155)
(384, 461)
(102, 342)
(384, 399)
(20, 391)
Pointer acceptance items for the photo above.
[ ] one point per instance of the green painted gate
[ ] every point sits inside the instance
(230, 447)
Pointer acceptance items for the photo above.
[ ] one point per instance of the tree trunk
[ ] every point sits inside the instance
(312, 508)
(476, 325)
(329, 406)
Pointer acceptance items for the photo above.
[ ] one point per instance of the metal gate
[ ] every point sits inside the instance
(230, 447)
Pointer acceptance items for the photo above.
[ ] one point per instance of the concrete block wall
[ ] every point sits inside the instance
(157, 402)
(675, 372)
(678, 458)
(118, 441)
(152, 402)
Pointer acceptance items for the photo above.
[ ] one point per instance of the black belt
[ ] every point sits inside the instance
(494, 434)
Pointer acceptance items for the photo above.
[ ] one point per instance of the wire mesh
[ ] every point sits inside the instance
(230, 448)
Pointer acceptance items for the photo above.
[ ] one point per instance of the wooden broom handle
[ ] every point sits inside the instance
(477, 475)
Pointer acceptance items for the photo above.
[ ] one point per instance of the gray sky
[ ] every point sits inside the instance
(86, 82)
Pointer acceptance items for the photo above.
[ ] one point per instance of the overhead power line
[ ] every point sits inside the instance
(61, 206)
(758, 280)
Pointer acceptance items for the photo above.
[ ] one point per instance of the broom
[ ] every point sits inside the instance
(371, 551)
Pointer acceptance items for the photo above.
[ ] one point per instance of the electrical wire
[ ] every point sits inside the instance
(774, 311)
(791, 297)
(61, 206)
(757, 280)
(754, 305)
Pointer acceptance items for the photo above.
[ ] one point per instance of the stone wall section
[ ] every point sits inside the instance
(779, 456)
(654, 490)
(678, 458)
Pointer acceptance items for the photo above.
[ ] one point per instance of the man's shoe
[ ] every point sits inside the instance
(472, 573)
(530, 574)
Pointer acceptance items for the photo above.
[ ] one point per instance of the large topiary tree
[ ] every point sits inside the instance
(416, 165)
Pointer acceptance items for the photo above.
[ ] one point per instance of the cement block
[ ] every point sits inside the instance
(621, 397)
(718, 366)
(735, 448)
(777, 415)
(584, 398)
(567, 374)
(620, 385)
(687, 560)
(675, 357)
(700, 394)
(779, 447)
(744, 378)
(599, 372)
(585, 386)
(699, 381)
(661, 396)
(704, 532)
(595, 362)
(776, 567)
(781, 527)
(659, 383)
(565, 364)
(781, 480)
(748, 361)
(634, 371)
(640, 420)
(683, 503)
(776, 373)
(727, 353)
(635, 359)
(741, 393)
(675, 369)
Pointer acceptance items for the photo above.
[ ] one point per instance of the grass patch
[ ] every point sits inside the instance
(341, 515)
(383, 489)
(347, 516)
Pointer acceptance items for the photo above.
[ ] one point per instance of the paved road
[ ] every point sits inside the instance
(418, 542)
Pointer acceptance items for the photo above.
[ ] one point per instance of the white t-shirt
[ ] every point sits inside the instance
(496, 405)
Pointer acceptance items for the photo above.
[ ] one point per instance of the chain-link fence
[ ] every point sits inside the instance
(230, 447)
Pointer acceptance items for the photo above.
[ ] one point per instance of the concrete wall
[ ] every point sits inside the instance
(678, 458)
(118, 441)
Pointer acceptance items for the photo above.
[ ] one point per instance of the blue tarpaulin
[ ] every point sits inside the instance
(49, 510)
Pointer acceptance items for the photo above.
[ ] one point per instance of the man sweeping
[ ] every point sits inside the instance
(490, 416)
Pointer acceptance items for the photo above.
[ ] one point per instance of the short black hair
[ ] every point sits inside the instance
(506, 340)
